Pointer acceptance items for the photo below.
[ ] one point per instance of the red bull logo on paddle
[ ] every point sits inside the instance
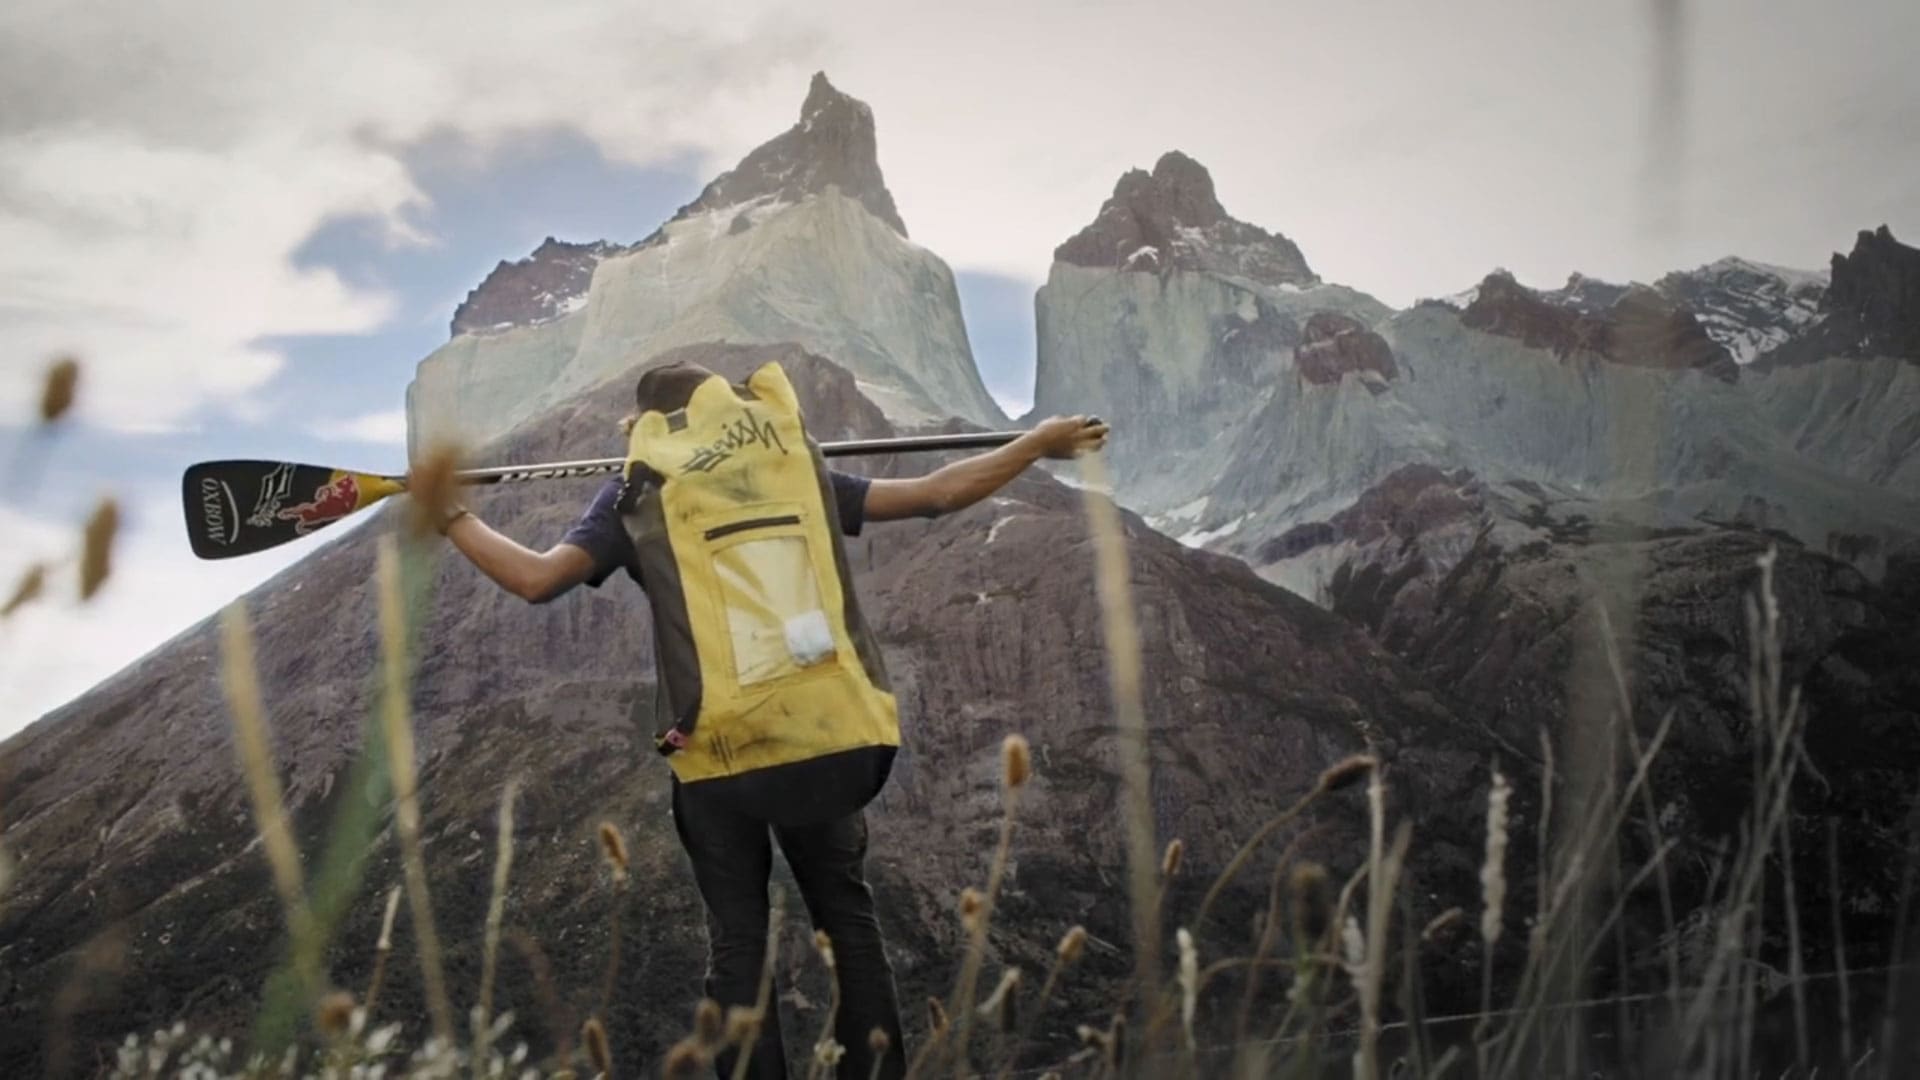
(331, 501)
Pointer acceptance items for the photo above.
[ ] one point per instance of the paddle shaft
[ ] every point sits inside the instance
(898, 445)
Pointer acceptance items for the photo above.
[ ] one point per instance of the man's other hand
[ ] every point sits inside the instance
(1063, 437)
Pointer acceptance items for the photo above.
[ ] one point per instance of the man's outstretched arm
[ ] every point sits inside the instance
(534, 576)
(959, 485)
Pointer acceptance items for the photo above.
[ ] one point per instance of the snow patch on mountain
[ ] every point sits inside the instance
(551, 283)
(1748, 307)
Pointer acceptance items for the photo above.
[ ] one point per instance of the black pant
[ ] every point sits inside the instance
(732, 858)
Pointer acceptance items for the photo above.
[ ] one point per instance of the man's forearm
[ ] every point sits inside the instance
(515, 568)
(963, 483)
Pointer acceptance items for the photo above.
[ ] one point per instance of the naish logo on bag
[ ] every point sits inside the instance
(744, 433)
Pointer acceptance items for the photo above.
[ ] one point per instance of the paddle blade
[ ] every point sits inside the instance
(240, 507)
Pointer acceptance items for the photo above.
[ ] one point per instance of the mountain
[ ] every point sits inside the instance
(1171, 219)
(1269, 415)
(1845, 388)
(833, 146)
(800, 242)
(1748, 307)
(540, 288)
(1401, 531)
(1635, 326)
(1163, 316)
(1871, 309)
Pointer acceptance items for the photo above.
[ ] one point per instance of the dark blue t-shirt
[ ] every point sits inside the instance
(600, 533)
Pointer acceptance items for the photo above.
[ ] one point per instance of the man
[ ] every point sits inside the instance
(728, 839)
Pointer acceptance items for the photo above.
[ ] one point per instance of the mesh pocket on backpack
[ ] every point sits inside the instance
(777, 624)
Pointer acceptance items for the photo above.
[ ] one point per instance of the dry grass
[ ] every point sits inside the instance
(1337, 957)
(397, 723)
(432, 489)
(59, 389)
(614, 847)
(253, 747)
(1113, 580)
(96, 549)
(1337, 992)
(31, 584)
(496, 913)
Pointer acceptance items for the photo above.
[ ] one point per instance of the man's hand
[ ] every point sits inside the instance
(959, 485)
(1064, 437)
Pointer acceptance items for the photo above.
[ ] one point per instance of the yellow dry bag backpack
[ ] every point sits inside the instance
(766, 670)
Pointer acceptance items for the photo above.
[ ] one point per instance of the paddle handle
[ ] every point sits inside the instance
(901, 444)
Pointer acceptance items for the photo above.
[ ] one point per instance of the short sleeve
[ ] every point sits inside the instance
(601, 534)
(850, 495)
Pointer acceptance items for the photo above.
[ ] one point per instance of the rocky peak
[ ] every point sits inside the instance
(1870, 308)
(1748, 307)
(1332, 345)
(1587, 295)
(1641, 328)
(832, 144)
(545, 285)
(1877, 288)
(1171, 219)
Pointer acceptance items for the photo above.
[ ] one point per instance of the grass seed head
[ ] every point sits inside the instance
(57, 393)
(594, 1034)
(708, 1023)
(999, 1008)
(1310, 893)
(1116, 1048)
(1170, 860)
(1348, 772)
(96, 554)
(1016, 765)
(973, 905)
(32, 583)
(936, 1016)
(386, 922)
(615, 847)
(827, 1054)
(1188, 979)
(743, 1025)
(1493, 872)
(686, 1058)
(432, 484)
(334, 1015)
(1072, 944)
(823, 945)
(1441, 922)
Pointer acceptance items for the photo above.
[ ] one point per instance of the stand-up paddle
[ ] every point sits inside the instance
(241, 507)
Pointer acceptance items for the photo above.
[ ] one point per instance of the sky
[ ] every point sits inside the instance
(250, 221)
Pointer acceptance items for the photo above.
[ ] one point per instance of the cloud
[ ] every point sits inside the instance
(160, 168)
(161, 164)
(1408, 147)
(381, 427)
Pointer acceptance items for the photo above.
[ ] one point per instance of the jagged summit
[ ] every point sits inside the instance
(1171, 219)
(545, 285)
(1749, 307)
(1746, 307)
(1640, 327)
(1870, 308)
(833, 143)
